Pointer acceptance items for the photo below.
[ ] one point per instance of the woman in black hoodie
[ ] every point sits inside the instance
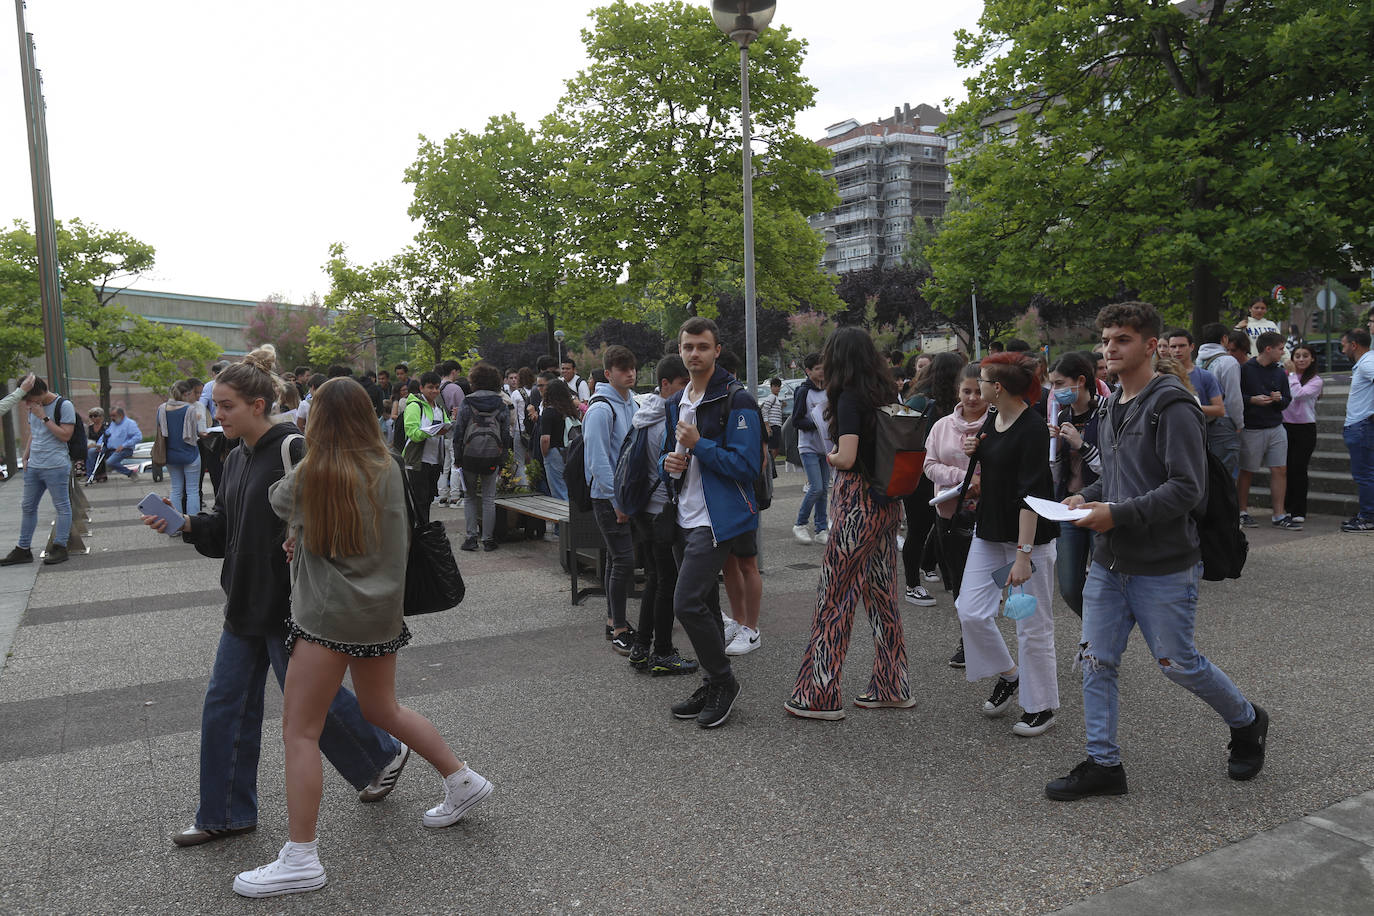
(244, 531)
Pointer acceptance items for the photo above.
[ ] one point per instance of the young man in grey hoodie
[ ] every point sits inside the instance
(1147, 560)
(1223, 433)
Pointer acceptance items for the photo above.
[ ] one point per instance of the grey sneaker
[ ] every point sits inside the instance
(381, 787)
(1247, 522)
(1286, 523)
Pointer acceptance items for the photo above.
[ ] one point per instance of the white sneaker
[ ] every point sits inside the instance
(800, 533)
(930, 575)
(293, 876)
(745, 642)
(1297, 518)
(821, 537)
(732, 628)
(462, 792)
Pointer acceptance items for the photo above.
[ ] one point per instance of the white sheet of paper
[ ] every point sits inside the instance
(215, 429)
(1055, 512)
(431, 427)
(945, 496)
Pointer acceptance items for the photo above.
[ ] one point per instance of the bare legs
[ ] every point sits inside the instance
(744, 588)
(1278, 489)
(312, 679)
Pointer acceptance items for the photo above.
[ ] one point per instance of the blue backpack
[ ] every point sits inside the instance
(633, 489)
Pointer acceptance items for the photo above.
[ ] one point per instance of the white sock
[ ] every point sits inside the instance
(1012, 678)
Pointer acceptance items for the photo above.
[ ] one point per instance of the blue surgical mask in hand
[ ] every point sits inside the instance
(1019, 605)
(1066, 396)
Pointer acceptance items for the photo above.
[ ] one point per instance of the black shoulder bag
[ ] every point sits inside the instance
(433, 582)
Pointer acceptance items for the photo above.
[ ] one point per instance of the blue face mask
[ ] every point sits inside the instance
(1066, 396)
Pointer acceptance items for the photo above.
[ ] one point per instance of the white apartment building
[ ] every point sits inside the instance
(889, 172)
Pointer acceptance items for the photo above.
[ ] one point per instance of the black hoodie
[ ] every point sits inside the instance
(246, 533)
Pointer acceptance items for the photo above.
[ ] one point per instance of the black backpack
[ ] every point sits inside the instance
(1224, 545)
(575, 464)
(398, 432)
(77, 444)
(632, 486)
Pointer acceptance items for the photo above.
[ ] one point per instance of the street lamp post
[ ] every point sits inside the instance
(559, 336)
(743, 20)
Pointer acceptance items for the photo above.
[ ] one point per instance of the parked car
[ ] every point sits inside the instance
(789, 388)
(143, 461)
(1339, 361)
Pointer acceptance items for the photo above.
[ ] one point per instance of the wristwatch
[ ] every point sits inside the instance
(1025, 548)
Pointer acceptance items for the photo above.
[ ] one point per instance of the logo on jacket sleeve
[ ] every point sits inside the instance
(742, 424)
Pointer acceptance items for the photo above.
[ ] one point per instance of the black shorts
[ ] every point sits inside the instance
(775, 439)
(745, 545)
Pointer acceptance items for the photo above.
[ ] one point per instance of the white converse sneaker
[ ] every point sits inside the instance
(746, 641)
(292, 874)
(800, 533)
(462, 791)
(821, 537)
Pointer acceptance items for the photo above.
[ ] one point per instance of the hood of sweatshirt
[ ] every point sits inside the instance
(652, 410)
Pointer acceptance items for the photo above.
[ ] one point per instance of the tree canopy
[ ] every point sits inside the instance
(1187, 153)
(654, 121)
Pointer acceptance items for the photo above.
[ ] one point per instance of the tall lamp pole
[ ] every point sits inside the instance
(44, 227)
(743, 20)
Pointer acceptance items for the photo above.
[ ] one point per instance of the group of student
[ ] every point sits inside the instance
(331, 600)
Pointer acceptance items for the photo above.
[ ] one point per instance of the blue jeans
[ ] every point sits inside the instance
(1075, 550)
(231, 732)
(1164, 607)
(553, 473)
(817, 482)
(186, 485)
(55, 481)
(1359, 442)
(115, 461)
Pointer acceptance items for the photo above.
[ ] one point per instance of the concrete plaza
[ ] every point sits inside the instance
(605, 804)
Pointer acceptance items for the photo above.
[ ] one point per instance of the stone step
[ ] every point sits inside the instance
(1317, 503)
(1337, 462)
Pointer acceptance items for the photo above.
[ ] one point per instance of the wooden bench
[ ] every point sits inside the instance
(578, 537)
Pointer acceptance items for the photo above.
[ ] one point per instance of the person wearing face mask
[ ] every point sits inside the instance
(1076, 463)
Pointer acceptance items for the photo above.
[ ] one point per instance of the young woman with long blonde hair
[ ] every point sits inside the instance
(348, 534)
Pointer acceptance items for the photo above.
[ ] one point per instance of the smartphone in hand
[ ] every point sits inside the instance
(152, 504)
(1002, 574)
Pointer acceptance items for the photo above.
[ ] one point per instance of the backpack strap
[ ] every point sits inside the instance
(286, 463)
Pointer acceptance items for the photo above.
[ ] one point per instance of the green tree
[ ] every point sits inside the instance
(1185, 153)
(21, 331)
(420, 289)
(507, 210)
(654, 121)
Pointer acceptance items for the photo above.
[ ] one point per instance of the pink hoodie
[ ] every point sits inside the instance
(946, 462)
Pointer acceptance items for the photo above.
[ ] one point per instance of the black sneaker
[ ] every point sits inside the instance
(58, 554)
(1034, 723)
(720, 699)
(18, 555)
(672, 663)
(489, 545)
(469, 545)
(1357, 525)
(1246, 521)
(639, 657)
(1287, 523)
(1088, 778)
(623, 641)
(1247, 747)
(1002, 695)
(957, 659)
(691, 707)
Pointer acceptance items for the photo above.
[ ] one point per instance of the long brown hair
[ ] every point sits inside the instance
(343, 440)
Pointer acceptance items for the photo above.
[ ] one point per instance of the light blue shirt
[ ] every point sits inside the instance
(1360, 404)
(207, 397)
(45, 449)
(604, 429)
(124, 434)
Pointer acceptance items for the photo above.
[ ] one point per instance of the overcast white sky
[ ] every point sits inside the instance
(241, 139)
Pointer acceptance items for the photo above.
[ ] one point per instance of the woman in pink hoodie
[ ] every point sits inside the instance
(946, 464)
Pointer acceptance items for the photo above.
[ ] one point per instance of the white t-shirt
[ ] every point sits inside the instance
(433, 453)
(691, 502)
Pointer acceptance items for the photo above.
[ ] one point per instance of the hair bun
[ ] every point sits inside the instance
(264, 358)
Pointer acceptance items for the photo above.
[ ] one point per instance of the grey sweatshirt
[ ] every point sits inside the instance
(1154, 473)
(650, 413)
(1227, 371)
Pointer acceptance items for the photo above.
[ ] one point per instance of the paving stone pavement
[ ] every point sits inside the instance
(605, 804)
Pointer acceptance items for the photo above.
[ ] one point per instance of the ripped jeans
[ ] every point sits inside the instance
(1164, 608)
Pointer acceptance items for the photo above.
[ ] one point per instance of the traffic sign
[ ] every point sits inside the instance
(1326, 300)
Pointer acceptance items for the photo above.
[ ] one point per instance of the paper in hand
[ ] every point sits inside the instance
(945, 496)
(1053, 511)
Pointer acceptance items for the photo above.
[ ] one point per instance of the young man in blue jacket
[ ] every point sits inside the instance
(604, 427)
(713, 447)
